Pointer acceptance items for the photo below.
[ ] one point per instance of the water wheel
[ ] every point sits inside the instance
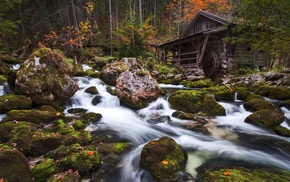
(210, 63)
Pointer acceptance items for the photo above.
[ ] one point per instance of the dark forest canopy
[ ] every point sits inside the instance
(130, 24)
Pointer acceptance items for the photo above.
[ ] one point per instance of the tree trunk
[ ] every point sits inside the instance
(111, 27)
(140, 14)
(76, 24)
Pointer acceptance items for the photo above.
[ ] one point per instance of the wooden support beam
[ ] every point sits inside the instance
(203, 49)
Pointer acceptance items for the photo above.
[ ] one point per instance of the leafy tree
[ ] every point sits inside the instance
(265, 24)
(8, 27)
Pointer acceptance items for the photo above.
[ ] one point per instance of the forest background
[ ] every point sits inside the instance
(131, 27)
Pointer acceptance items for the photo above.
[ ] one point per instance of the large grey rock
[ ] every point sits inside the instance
(46, 77)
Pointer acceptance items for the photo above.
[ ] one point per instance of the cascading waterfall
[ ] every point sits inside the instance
(228, 139)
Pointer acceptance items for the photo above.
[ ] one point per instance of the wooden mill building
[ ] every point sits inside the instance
(202, 44)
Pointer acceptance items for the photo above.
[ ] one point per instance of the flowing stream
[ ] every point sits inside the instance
(232, 142)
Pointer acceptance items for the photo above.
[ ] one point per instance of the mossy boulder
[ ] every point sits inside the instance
(222, 93)
(242, 94)
(92, 90)
(91, 117)
(63, 151)
(267, 118)
(111, 72)
(82, 137)
(44, 142)
(183, 115)
(253, 96)
(22, 136)
(43, 170)
(113, 149)
(79, 125)
(254, 105)
(84, 161)
(194, 101)
(279, 93)
(34, 115)
(14, 166)
(263, 90)
(242, 174)
(67, 176)
(61, 127)
(163, 158)
(202, 83)
(14, 102)
(279, 130)
(5, 131)
(46, 76)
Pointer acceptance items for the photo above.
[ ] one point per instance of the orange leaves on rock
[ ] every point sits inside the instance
(152, 142)
(1, 180)
(227, 173)
(58, 114)
(90, 152)
(164, 162)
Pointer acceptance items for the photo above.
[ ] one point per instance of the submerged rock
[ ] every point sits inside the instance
(163, 159)
(46, 77)
(136, 88)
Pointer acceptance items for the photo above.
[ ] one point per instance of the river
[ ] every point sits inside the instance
(232, 141)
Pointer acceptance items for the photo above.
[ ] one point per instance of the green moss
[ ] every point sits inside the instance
(14, 102)
(63, 151)
(78, 125)
(3, 79)
(43, 170)
(84, 161)
(263, 90)
(267, 118)
(282, 131)
(199, 83)
(244, 175)
(14, 166)
(286, 104)
(222, 93)
(258, 104)
(82, 137)
(253, 96)
(5, 131)
(40, 52)
(92, 90)
(62, 128)
(280, 93)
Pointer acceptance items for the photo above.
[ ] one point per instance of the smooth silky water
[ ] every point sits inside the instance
(232, 142)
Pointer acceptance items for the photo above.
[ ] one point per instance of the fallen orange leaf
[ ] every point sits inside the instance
(1, 180)
(90, 152)
(57, 114)
(227, 173)
(165, 162)
(153, 142)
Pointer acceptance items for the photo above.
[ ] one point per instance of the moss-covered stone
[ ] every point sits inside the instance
(84, 161)
(93, 74)
(63, 151)
(110, 72)
(62, 128)
(82, 137)
(266, 118)
(4, 68)
(253, 96)
(194, 101)
(199, 83)
(5, 131)
(42, 171)
(222, 93)
(79, 125)
(242, 94)
(113, 148)
(22, 137)
(91, 117)
(163, 159)
(44, 142)
(258, 104)
(263, 91)
(14, 102)
(280, 93)
(92, 90)
(183, 115)
(14, 166)
(35, 116)
(67, 176)
(281, 131)
(245, 175)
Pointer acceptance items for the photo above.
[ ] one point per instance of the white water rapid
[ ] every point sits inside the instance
(232, 140)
